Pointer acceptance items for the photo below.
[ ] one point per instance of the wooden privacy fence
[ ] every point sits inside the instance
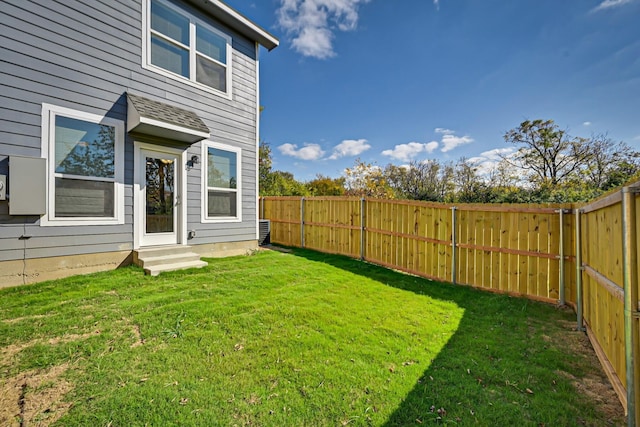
(607, 289)
(514, 249)
(581, 255)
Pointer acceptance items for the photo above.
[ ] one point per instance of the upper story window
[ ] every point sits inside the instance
(85, 157)
(184, 47)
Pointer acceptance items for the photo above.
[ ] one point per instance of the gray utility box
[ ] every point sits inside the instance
(27, 185)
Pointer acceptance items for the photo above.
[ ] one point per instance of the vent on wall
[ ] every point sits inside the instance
(264, 235)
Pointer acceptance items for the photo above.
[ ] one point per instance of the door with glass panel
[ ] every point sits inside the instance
(160, 198)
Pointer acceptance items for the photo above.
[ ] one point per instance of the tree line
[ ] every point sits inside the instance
(546, 164)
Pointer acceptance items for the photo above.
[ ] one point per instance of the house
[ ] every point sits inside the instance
(128, 132)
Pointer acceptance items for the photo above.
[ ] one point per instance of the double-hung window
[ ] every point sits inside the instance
(85, 163)
(184, 47)
(221, 183)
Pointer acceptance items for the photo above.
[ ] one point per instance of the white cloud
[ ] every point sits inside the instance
(431, 146)
(407, 152)
(609, 4)
(444, 131)
(436, 3)
(476, 160)
(586, 124)
(487, 161)
(311, 23)
(349, 147)
(308, 152)
(449, 142)
(483, 166)
(497, 153)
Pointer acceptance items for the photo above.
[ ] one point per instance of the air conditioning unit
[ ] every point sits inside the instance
(264, 235)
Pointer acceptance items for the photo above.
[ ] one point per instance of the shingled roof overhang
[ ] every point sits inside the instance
(236, 21)
(148, 117)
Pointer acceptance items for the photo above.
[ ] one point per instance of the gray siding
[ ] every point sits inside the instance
(84, 55)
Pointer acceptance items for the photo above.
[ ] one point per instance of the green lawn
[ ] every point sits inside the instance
(290, 339)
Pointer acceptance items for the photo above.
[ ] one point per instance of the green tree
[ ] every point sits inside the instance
(276, 183)
(611, 163)
(469, 186)
(557, 167)
(284, 184)
(429, 180)
(549, 155)
(367, 180)
(326, 186)
(264, 168)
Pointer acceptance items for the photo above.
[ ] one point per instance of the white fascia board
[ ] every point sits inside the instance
(190, 135)
(237, 21)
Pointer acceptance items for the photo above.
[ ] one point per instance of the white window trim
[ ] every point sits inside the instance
(49, 113)
(205, 193)
(191, 80)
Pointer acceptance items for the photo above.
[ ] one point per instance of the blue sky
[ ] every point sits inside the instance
(390, 81)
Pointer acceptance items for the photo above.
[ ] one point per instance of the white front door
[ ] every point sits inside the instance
(159, 197)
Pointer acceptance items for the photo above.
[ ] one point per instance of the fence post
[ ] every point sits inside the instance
(302, 222)
(261, 207)
(631, 316)
(579, 270)
(362, 227)
(454, 243)
(562, 296)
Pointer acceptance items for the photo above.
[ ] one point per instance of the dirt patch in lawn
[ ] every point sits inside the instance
(22, 319)
(594, 385)
(72, 337)
(597, 389)
(135, 330)
(8, 352)
(34, 398)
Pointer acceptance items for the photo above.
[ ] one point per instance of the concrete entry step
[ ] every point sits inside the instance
(155, 260)
(155, 270)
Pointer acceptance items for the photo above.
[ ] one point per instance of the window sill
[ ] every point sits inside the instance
(189, 82)
(75, 222)
(220, 220)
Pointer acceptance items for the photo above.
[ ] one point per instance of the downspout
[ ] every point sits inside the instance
(579, 270)
(630, 278)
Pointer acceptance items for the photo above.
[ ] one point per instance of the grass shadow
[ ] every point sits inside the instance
(510, 361)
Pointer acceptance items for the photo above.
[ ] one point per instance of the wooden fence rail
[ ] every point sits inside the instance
(521, 250)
